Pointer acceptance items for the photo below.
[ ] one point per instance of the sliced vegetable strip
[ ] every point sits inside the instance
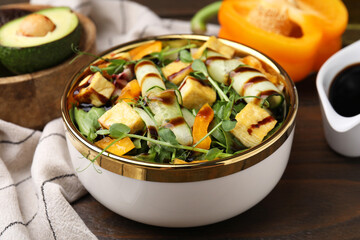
(149, 77)
(163, 103)
(248, 81)
(201, 124)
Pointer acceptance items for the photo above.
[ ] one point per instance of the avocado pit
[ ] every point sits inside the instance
(35, 25)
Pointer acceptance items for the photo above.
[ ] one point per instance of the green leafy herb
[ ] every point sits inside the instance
(199, 75)
(161, 56)
(95, 69)
(185, 56)
(171, 85)
(137, 143)
(228, 125)
(239, 106)
(87, 121)
(148, 157)
(168, 136)
(103, 132)
(119, 130)
(213, 153)
(199, 66)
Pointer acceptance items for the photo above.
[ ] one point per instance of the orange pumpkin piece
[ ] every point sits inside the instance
(130, 92)
(105, 73)
(201, 124)
(119, 148)
(143, 50)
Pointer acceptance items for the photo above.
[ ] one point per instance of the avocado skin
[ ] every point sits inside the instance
(4, 72)
(31, 59)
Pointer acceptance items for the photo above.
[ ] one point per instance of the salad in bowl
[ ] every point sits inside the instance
(182, 130)
(178, 104)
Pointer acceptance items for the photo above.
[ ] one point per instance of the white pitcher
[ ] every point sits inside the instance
(342, 133)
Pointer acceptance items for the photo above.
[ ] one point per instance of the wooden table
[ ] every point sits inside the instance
(318, 196)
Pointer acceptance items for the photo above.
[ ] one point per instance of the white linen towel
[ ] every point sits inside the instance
(37, 180)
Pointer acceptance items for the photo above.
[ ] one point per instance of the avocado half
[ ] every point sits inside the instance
(25, 54)
(7, 15)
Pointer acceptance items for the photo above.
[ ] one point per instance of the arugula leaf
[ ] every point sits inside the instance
(229, 141)
(185, 56)
(239, 106)
(137, 143)
(87, 121)
(198, 75)
(212, 154)
(118, 61)
(103, 132)
(161, 56)
(228, 125)
(219, 107)
(199, 66)
(228, 108)
(272, 131)
(119, 130)
(95, 69)
(218, 134)
(148, 157)
(162, 153)
(168, 136)
(171, 85)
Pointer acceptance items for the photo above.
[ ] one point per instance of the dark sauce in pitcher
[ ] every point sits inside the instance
(344, 93)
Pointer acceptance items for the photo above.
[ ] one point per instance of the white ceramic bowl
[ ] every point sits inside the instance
(341, 133)
(190, 194)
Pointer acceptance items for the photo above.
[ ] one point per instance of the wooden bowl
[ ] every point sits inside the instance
(32, 100)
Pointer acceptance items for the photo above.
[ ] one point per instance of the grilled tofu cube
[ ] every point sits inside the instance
(253, 124)
(216, 45)
(176, 71)
(195, 94)
(95, 89)
(122, 113)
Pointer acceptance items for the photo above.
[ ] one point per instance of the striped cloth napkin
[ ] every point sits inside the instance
(37, 180)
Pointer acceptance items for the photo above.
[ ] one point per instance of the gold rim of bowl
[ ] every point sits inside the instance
(191, 172)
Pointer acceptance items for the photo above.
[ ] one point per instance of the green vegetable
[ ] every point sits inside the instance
(213, 153)
(198, 22)
(228, 125)
(161, 56)
(87, 121)
(185, 56)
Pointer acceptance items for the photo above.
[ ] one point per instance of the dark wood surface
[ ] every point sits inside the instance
(318, 196)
